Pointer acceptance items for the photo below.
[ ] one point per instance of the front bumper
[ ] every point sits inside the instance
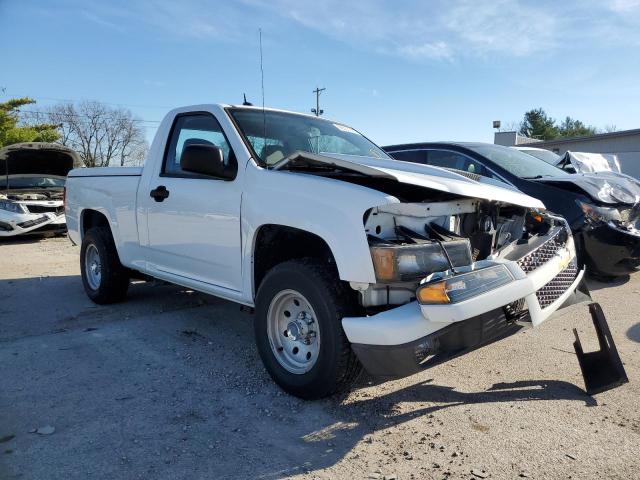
(12, 224)
(454, 339)
(411, 337)
(611, 251)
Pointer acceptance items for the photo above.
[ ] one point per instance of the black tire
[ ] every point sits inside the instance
(336, 366)
(114, 280)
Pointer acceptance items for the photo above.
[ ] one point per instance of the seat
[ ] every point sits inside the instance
(197, 141)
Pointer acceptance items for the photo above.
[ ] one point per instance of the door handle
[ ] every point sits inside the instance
(159, 193)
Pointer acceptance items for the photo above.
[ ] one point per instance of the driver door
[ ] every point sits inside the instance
(193, 220)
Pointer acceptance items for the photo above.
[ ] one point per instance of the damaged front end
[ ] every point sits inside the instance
(31, 187)
(457, 274)
(611, 236)
(22, 213)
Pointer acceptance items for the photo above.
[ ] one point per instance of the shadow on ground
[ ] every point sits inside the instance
(595, 284)
(29, 238)
(349, 427)
(634, 333)
(169, 384)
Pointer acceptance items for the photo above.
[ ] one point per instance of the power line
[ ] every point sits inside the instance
(89, 116)
(74, 101)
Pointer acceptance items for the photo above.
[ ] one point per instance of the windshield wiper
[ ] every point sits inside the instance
(534, 178)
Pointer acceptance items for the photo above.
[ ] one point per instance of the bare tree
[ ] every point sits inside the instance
(510, 127)
(102, 136)
(610, 128)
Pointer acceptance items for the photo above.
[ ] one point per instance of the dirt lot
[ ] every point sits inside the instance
(169, 385)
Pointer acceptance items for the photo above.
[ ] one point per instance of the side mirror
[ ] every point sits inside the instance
(205, 159)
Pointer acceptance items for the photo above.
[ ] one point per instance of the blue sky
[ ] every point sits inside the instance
(396, 70)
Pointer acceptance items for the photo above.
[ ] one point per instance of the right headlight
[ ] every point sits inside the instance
(461, 287)
(401, 263)
(10, 206)
(600, 214)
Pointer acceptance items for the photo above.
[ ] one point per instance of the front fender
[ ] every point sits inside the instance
(331, 209)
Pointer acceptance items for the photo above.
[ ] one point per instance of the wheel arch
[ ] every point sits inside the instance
(90, 218)
(275, 243)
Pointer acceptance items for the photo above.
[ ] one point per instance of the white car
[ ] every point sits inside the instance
(577, 162)
(32, 177)
(349, 258)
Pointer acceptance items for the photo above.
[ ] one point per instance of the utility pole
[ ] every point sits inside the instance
(317, 110)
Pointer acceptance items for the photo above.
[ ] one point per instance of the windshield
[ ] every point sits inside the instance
(277, 135)
(545, 155)
(516, 162)
(32, 181)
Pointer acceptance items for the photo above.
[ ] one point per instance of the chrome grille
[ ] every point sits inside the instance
(556, 287)
(543, 253)
(45, 208)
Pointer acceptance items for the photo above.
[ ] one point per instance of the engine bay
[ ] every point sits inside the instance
(410, 241)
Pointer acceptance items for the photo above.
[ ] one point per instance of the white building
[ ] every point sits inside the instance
(624, 144)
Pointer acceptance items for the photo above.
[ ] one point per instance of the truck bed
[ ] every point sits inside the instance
(106, 172)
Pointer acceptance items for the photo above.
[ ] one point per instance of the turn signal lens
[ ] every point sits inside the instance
(384, 261)
(463, 286)
(433, 293)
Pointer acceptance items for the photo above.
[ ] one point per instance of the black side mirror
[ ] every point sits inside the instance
(206, 160)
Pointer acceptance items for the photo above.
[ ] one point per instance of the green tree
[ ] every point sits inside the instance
(575, 128)
(13, 130)
(537, 124)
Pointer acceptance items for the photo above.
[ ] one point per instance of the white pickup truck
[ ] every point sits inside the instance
(350, 258)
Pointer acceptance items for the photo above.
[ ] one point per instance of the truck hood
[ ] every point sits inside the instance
(427, 176)
(604, 187)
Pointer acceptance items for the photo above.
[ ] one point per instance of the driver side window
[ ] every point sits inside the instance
(199, 128)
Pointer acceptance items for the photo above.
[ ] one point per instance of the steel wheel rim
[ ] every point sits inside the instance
(293, 331)
(92, 267)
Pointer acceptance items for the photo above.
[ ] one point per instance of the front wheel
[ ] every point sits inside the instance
(104, 278)
(298, 327)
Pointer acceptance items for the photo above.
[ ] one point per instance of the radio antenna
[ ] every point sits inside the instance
(264, 116)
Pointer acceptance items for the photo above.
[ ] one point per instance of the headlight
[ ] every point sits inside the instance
(398, 263)
(12, 206)
(463, 286)
(600, 214)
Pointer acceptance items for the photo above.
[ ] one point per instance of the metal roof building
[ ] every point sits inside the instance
(625, 144)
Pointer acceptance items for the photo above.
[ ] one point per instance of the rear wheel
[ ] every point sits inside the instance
(104, 278)
(298, 326)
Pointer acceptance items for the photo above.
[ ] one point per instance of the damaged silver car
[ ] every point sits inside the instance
(32, 187)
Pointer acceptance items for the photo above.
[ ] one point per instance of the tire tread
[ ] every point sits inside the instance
(115, 278)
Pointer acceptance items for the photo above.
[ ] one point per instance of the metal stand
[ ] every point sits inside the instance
(602, 370)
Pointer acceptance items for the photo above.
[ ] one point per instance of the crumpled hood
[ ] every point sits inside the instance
(430, 177)
(605, 187)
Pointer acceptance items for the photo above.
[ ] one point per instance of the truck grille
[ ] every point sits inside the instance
(543, 253)
(556, 287)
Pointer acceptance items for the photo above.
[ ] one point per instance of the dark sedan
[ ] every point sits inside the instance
(604, 216)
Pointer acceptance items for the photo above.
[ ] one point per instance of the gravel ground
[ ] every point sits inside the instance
(169, 385)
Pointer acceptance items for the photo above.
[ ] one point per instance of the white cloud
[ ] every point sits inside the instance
(624, 6)
(434, 30)
(154, 83)
(505, 26)
(92, 17)
(415, 30)
(431, 51)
